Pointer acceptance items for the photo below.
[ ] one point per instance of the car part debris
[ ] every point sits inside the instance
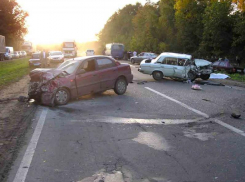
(23, 99)
(142, 83)
(196, 87)
(20, 99)
(202, 82)
(236, 115)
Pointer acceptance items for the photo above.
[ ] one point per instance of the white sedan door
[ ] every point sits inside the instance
(167, 66)
(180, 69)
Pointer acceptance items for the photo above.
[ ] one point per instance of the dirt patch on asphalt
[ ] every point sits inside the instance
(15, 118)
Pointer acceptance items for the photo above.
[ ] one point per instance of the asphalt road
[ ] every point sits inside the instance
(157, 132)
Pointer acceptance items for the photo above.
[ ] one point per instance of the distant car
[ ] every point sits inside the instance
(16, 55)
(20, 54)
(56, 57)
(227, 66)
(35, 60)
(90, 52)
(24, 54)
(142, 56)
(176, 65)
(77, 77)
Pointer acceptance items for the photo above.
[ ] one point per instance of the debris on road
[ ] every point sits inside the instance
(218, 76)
(236, 115)
(196, 87)
(142, 83)
(20, 99)
(203, 82)
(206, 100)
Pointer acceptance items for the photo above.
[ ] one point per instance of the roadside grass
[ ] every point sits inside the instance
(237, 77)
(14, 70)
(234, 76)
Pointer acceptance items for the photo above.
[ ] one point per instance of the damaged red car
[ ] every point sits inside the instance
(78, 77)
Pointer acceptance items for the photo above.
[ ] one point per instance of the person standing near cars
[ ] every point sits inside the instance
(44, 58)
(135, 53)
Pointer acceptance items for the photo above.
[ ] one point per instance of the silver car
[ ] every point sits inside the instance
(142, 56)
(24, 54)
(56, 57)
(176, 65)
(16, 55)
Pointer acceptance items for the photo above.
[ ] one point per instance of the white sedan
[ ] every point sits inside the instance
(176, 65)
(56, 57)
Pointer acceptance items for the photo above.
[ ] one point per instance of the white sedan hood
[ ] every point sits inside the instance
(202, 62)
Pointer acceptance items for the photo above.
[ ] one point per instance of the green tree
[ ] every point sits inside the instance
(12, 22)
(189, 24)
(217, 35)
(166, 26)
(119, 27)
(145, 29)
(238, 45)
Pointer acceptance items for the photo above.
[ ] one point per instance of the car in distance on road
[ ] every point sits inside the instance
(77, 77)
(90, 52)
(24, 54)
(16, 55)
(142, 56)
(35, 60)
(20, 54)
(176, 65)
(56, 57)
(228, 66)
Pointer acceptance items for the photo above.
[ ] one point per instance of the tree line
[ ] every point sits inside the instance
(204, 28)
(12, 23)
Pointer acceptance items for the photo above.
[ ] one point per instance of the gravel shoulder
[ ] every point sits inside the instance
(15, 118)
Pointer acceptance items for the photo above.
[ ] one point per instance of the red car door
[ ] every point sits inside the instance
(108, 73)
(87, 79)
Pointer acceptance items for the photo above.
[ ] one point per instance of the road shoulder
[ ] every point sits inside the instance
(15, 119)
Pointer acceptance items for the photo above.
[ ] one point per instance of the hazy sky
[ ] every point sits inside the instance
(52, 21)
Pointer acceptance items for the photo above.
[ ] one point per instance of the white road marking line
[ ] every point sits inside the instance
(240, 132)
(230, 127)
(26, 161)
(116, 120)
(178, 102)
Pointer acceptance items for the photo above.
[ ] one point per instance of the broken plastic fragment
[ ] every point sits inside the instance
(196, 87)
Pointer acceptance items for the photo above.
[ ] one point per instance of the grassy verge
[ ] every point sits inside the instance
(11, 71)
(237, 77)
(234, 76)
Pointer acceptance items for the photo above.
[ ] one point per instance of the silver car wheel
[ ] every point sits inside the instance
(61, 96)
(158, 75)
(121, 85)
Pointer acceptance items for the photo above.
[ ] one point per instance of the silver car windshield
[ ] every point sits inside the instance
(69, 66)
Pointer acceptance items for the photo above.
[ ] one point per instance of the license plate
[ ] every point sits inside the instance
(239, 71)
(36, 64)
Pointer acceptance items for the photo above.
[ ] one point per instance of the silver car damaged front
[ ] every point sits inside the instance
(187, 68)
(202, 67)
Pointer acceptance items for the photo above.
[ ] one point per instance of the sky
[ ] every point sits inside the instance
(53, 21)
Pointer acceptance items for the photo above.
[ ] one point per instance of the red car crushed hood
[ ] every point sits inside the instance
(45, 81)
